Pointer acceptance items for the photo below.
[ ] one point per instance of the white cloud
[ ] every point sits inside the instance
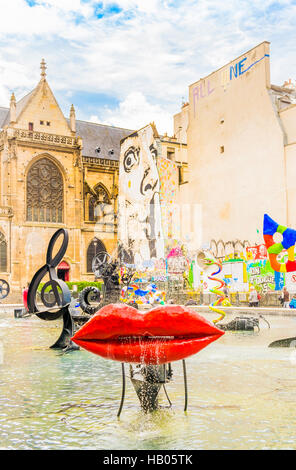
(4, 96)
(135, 112)
(152, 47)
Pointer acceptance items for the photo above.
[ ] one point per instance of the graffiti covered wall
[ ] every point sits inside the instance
(148, 187)
(261, 275)
(140, 229)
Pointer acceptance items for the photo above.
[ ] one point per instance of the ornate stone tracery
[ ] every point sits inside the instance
(98, 199)
(45, 192)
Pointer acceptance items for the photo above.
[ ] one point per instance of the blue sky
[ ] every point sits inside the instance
(128, 62)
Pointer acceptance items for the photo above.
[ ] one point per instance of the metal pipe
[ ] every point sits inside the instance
(123, 389)
(185, 385)
(166, 393)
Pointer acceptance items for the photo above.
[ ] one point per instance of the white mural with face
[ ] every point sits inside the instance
(140, 231)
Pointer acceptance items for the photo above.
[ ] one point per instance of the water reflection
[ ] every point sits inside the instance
(241, 395)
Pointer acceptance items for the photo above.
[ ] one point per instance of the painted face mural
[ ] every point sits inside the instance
(140, 231)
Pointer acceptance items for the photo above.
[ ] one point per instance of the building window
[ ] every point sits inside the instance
(3, 254)
(45, 192)
(31, 126)
(171, 154)
(222, 149)
(41, 122)
(94, 248)
(181, 175)
(98, 203)
(91, 208)
(47, 123)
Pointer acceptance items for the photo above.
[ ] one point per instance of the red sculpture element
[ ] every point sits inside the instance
(165, 334)
(25, 297)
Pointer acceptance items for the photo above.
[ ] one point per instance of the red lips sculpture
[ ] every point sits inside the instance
(165, 334)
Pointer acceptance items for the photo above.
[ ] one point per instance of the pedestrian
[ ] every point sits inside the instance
(253, 297)
(285, 298)
(226, 291)
(292, 304)
(281, 299)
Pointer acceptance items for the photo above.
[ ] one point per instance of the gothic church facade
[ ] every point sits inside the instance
(55, 172)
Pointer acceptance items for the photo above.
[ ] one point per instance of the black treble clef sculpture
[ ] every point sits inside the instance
(59, 306)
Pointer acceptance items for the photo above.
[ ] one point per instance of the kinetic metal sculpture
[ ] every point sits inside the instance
(152, 340)
(59, 306)
(242, 323)
(105, 268)
(270, 227)
(204, 260)
(148, 342)
(222, 299)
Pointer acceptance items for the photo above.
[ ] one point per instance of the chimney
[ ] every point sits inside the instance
(72, 119)
(12, 109)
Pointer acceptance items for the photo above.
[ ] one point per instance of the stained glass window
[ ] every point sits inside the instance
(45, 192)
(97, 203)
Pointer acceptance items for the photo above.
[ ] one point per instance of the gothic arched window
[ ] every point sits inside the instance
(97, 203)
(94, 248)
(91, 208)
(3, 254)
(45, 192)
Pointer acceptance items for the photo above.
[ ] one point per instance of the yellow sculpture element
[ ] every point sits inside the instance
(222, 300)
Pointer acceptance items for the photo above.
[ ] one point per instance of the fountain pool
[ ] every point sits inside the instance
(241, 394)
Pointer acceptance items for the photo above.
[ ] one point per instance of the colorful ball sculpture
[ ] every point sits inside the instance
(270, 227)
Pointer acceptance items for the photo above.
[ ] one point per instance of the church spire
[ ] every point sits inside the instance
(72, 119)
(43, 69)
(12, 108)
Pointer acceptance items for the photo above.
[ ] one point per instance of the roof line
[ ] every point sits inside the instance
(27, 94)
(104, 125)
(281, 88)
(228, 63)
(88, 122)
